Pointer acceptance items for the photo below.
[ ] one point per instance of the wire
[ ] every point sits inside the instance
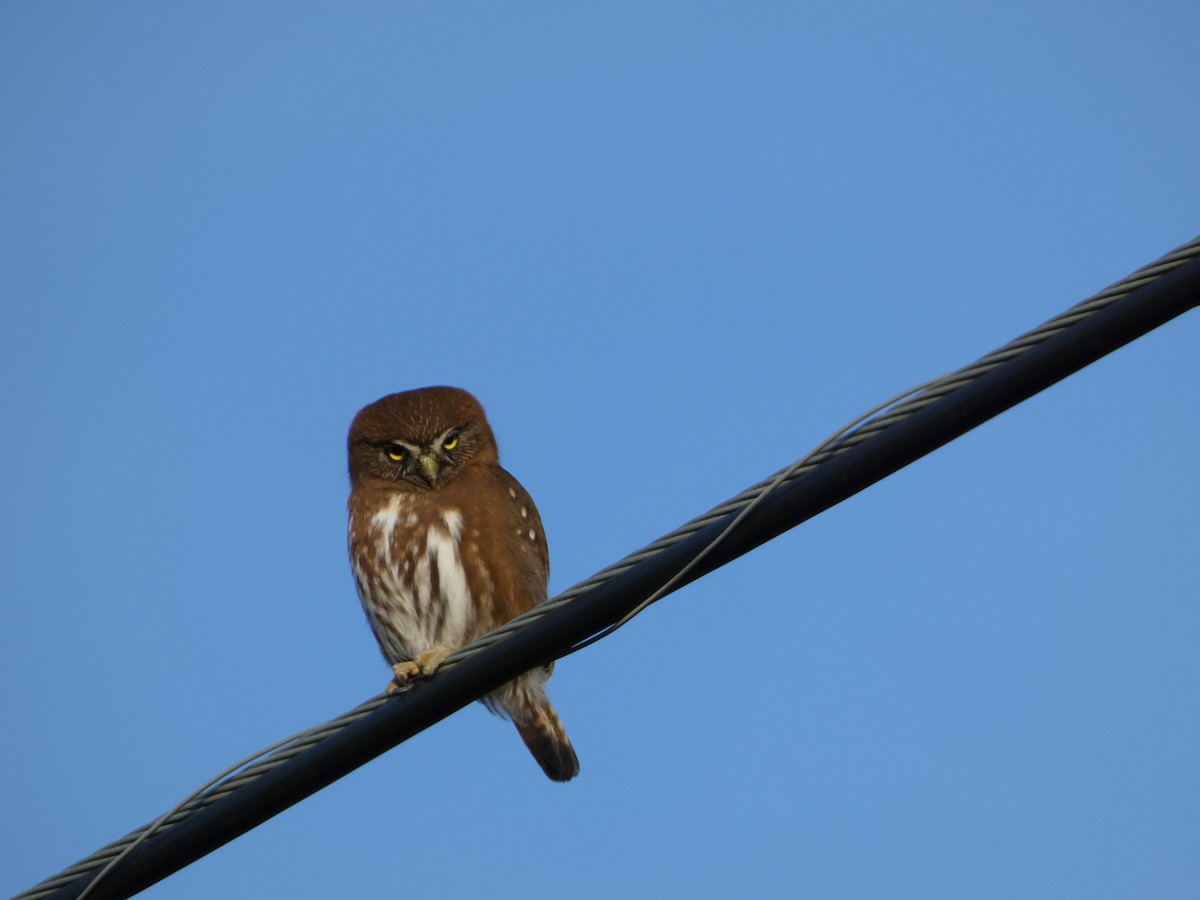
(300, 741)
(851, 435)
(770, 485)
(1095, 327)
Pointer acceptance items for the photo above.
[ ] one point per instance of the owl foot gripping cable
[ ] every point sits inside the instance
(446, 546)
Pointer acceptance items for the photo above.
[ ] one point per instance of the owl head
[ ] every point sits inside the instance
(420, 440)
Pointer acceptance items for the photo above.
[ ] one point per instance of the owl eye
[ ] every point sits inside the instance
(451, 441)
(396, 452)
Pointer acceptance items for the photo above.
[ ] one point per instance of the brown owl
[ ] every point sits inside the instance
(446, 546)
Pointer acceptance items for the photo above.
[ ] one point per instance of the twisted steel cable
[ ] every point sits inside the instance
(865, 427)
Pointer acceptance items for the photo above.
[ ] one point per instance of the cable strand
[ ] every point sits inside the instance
(871, 423)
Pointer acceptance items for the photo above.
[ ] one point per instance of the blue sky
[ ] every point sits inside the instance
(671, 247)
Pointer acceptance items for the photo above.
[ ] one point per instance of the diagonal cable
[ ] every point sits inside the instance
(731, 518)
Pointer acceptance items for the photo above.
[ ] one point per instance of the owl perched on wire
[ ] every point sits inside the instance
(446, 546)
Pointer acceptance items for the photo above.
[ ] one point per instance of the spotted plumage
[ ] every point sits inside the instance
(446, 545)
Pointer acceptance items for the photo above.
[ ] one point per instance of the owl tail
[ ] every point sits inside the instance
(547, 740)
(524, 701)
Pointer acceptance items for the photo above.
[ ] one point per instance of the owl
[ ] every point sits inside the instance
(445, 546)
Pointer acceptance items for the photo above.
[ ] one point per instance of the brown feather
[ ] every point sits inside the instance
(446, 545)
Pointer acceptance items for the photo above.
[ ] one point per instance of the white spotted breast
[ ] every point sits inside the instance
(409, 570)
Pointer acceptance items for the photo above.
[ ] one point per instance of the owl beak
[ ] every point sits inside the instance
(430, 465)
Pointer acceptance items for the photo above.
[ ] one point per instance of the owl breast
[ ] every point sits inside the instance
(415, 575)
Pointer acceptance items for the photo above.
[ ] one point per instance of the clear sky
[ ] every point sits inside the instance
(671, 247)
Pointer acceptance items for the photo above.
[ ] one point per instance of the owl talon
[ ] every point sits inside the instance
(432, 659)
(404, 672)
(423, 666)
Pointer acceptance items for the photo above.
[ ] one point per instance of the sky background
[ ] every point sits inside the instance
(671, 247)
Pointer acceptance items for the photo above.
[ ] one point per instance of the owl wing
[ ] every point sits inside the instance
(533, 550)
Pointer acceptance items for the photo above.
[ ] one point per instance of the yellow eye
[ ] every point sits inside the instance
(396, 453)
(451, 441)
